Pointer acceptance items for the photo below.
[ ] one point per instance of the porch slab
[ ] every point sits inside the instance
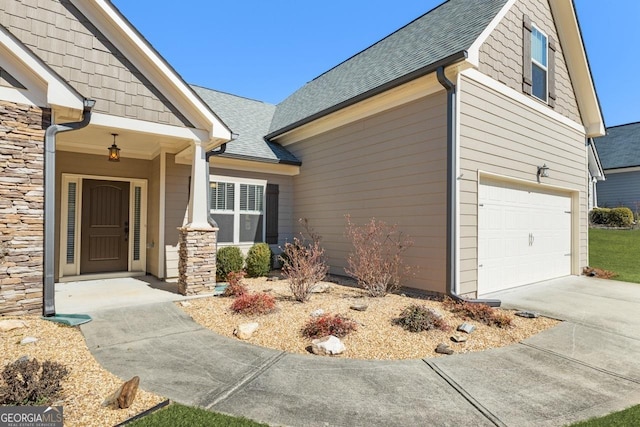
(90, 296)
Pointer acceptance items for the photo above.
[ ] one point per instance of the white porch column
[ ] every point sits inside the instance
(198, 216)
(198, 238)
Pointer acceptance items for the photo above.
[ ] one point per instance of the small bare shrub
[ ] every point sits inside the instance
(479, 312)
(376, 261)
(329, 324)
(304, 263)
(598, 272)
(27, 381)
(418, 318)
(235, 287)
(254, 304)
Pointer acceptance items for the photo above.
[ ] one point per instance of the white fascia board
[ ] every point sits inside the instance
(408, 92)
(623, 170)
(487, 81)
(595, 167)
(578, 65)
(474, 51)
(122, 34)
(58, 92)
(107, 120)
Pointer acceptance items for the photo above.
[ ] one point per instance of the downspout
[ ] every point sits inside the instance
(49, 309)
(452, 202)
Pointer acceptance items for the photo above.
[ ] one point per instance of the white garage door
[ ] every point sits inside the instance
(524, 235)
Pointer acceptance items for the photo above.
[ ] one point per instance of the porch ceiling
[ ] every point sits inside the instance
(95, 139)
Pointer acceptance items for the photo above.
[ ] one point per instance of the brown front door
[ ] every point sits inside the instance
(105, 226)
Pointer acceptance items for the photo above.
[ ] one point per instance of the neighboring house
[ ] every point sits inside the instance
(619, 152)
(467, 128)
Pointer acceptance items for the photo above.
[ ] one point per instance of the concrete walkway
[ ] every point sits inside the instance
(585, 367)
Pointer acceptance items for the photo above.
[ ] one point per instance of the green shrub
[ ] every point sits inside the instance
(616, 217)
(259, 260)
(27, 381)
(329, 324)
(228, 259)
(254, 304)
(418, 318)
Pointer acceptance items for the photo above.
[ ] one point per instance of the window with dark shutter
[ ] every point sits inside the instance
(272, 213)
(538, 63)
(526, 55)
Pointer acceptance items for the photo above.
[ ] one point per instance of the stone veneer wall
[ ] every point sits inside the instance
(22, 129)
(197, 260)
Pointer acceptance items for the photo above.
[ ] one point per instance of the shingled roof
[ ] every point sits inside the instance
(438, 37)
(249, 120)
(620, 147)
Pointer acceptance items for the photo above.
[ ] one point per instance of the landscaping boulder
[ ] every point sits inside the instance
(359, 307)
(10, 324)
(28, 340)
(327, 346)
(124, 396)
(459, 338)
(467, 328)
(444, 349)
(319, 288)
(245, 330)
(317, 313)
(528, 314)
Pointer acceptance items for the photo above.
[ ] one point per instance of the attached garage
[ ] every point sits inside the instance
(524, 234)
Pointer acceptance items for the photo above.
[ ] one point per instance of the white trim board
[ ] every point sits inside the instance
(73, 269)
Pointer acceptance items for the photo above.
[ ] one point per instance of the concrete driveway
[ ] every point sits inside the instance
(585, 367)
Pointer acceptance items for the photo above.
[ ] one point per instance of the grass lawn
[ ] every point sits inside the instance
(628, 417)
(176, 415)
(616, 250)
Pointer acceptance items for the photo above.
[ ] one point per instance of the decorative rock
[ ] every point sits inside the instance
(329, 345)
(459, 338)
(10, 324)
(528, 314)
(124, 396)
(359, 307)
(24, 358)
(273, 279)
(28, 340)
(443, 349)
(466, 327)
(185, 303)
(320, 288)
(245, 330)
(317, 313)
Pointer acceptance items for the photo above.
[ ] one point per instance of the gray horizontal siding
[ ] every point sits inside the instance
(620, 189)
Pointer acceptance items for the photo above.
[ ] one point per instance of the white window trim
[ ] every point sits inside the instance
(236, 206)
(139, 265)
(544, 67)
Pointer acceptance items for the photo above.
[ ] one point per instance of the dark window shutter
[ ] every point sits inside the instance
(271, 212)
(551, 72)
(527, 80)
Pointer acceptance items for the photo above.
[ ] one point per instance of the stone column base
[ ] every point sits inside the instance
(197, 260)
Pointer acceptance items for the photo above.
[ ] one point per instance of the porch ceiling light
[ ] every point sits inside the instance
(543, 171)
(114, 151)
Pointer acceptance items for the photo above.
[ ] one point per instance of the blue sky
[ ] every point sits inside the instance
(267, 49)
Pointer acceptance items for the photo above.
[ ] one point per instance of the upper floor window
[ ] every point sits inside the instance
(539, 64)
